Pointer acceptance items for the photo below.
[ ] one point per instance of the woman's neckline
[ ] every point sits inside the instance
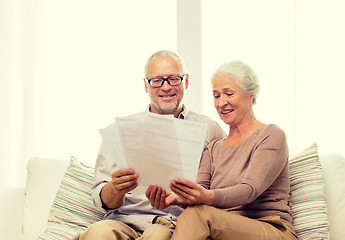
(246, 139)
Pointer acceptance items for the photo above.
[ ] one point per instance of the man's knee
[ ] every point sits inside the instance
(157, 231)
(103, 226)
(106, 229)
(96, 229)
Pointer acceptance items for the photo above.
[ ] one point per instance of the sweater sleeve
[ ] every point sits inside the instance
(267, 160)
(204, 172)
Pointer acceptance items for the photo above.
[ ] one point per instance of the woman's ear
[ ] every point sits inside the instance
(252, 97)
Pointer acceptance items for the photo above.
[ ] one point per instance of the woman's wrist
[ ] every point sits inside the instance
(210, 197)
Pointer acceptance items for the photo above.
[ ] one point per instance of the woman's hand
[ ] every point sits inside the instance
(160, 199)
(190, 192)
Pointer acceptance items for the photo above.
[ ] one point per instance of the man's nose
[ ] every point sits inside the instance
(166, 86)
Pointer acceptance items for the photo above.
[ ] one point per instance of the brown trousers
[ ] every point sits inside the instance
(201, 222)
(161, 229)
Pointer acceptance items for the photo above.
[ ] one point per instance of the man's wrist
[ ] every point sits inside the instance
(110, 200)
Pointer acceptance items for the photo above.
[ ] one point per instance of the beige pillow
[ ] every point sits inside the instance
(73, 209)
(309, 204)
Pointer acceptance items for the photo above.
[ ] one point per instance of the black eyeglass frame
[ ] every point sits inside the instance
(165, 79)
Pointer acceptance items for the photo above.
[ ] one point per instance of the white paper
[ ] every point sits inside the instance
(130, 134)
(157, 147)
(111, 140)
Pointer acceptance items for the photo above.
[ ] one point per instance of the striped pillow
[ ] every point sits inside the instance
(73, 209)
(309, 205)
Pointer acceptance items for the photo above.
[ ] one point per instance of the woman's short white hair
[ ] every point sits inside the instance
(166, 53)
(247, 78)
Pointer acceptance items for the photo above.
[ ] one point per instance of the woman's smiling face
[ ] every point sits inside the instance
(232, 103)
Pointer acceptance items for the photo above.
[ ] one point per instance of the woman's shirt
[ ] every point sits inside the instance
(250, 178)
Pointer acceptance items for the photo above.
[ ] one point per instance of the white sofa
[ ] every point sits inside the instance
(24, 212)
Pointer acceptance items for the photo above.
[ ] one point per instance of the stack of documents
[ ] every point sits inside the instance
(158, 148)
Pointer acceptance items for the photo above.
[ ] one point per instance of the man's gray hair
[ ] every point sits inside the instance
(247, 78)
(166, 53)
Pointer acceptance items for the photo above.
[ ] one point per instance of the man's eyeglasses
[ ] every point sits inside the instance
(157, 82)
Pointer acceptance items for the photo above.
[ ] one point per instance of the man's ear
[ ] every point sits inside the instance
(187, 81)
(145, 85)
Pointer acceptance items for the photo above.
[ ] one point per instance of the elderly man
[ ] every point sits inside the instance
(128, 216)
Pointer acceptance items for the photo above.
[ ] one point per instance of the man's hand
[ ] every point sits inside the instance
(190, 192)
(159, 198)
(122, 181)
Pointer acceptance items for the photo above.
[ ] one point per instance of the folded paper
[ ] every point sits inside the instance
(159, 148)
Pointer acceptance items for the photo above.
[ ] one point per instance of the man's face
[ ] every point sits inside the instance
(166, 99)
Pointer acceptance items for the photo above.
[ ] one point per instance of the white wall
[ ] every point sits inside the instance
(10, 94)
(260, 33)
(74, 66)
(320, 78)
(297, 49)
(94, 55)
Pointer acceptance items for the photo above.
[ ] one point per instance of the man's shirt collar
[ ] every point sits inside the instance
(183, 114)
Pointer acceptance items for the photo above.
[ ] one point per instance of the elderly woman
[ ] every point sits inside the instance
(242, 187)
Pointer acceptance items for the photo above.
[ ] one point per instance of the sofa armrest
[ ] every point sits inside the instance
(333, 166)
(11, 209)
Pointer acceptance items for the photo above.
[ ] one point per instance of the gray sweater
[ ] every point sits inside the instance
(250, 178)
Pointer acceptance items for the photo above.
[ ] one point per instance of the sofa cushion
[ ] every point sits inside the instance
(73, 209)
(309, 205)
(43, 179)
(334, 178)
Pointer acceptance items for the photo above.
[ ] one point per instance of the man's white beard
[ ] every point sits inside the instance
(167, 108)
